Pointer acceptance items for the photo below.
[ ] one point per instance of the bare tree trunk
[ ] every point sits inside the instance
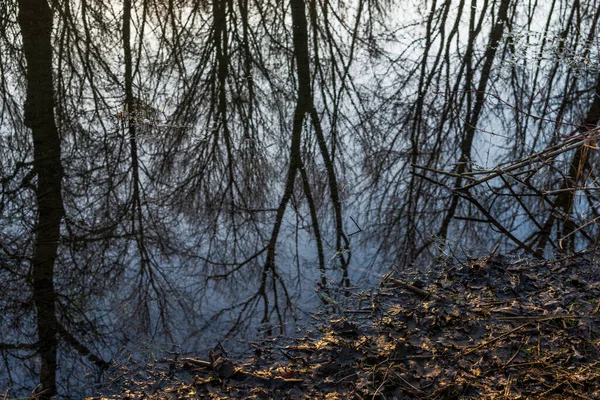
(35, 20)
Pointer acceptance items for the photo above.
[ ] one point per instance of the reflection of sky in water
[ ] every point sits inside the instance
(296, 252)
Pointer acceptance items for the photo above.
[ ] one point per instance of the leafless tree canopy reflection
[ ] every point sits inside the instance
(174, 171)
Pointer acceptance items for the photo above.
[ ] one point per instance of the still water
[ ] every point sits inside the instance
(178, 173)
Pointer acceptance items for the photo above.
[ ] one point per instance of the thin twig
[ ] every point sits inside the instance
(472, 349)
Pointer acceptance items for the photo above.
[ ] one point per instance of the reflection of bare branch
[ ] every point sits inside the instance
(579, 229)
(438, 106)
(540, 157)
(526, 165)
(493, 221)
(81, 348)
(357, 226)
(20, 346)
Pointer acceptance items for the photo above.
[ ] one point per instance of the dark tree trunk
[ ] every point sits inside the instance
(35, 20)
(303, 104)
(470, 128)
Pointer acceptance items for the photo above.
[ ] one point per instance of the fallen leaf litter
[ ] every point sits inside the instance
(497, 327)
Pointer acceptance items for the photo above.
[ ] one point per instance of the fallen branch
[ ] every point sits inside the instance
(424, 294)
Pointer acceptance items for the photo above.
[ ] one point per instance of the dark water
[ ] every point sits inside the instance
(177, 172)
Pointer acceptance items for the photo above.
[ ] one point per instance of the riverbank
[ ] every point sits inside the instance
(495, 327)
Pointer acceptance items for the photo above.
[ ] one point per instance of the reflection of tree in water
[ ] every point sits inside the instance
(271, 106)
(451, 105)
(35, 20)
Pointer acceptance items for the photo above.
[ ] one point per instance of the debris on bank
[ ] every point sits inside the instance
(498, 327)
